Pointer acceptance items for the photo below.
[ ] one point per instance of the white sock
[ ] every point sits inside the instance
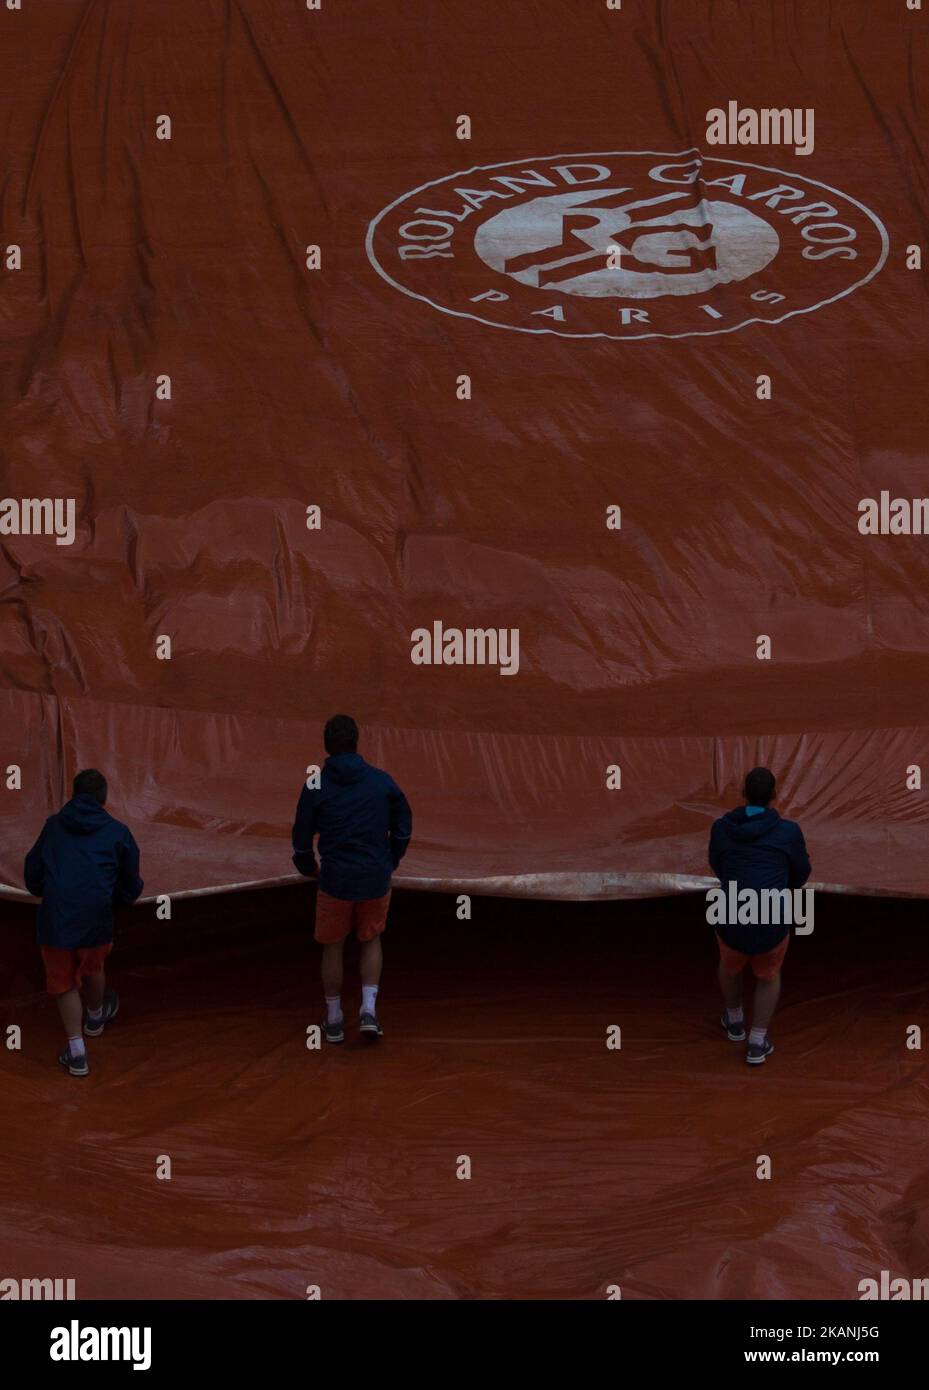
(757, 1036)
(368, 998)
(76, 1047)
(334, 1008)
(95, 1015)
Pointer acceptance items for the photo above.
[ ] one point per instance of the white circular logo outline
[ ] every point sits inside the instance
(613, 154)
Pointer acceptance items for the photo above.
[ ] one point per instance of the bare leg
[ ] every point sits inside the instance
(767, 993)
(731, 986)
(371, 961)
(93, 987)
(332, 970)
(72, 1012)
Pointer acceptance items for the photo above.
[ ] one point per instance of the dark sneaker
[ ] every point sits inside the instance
(74, 1066)
(757, 1052)
(334, 1032)
(735, 1032)
(110, 1010)
(369, 1028)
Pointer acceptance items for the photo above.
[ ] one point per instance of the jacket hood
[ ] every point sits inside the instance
(745, 828)
(82, 815)
(345, 768)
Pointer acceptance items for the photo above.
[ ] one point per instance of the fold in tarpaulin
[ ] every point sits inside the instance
(274, 310)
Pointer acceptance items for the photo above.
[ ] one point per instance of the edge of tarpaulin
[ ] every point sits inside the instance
(564, 886)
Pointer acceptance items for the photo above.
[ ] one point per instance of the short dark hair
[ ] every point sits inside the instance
(759, 786)
(340, 734)
(90, 782)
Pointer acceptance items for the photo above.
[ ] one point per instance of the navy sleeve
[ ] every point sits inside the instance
(302, 836)
(800, 866)
(401, 822)
(128, 885)
(33, 867)
(716, 851)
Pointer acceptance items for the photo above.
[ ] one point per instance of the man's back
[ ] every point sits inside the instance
(363, 822)
(80, 862)
(759, 851)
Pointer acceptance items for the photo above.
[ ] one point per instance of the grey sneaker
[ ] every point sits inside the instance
(369, 1028)
(110, 1010)
(756, 1053)
(74, 1066)
(334, 1032)
(735, 1032)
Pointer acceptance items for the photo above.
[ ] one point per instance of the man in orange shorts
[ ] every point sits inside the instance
(754, 848)
(82, 862)
(364, 826)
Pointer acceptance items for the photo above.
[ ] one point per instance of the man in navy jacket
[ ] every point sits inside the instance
(82, 862)
(364, 826)
(753, 848)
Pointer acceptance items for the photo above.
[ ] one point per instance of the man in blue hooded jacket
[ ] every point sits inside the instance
(753, 848)
(364, 826)
(83, 862)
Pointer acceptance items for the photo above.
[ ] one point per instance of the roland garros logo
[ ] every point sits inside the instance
(629, 245)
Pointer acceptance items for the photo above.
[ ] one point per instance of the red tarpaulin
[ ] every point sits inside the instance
(550, 454)
(144, 259)
(635, 1167)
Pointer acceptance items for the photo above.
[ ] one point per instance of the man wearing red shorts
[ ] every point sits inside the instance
(754, 848)
(82, 862)
(364, 826)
